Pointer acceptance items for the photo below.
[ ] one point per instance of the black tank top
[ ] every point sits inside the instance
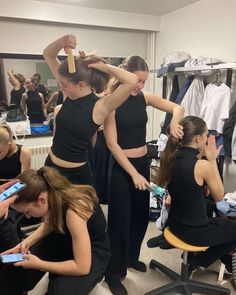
(60, 98)
(11, 167)
(16, 96)
(34, 106)
(97, 233)
(188, 204)
(74, 129)
(131, 120)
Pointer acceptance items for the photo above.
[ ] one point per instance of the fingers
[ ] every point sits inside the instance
(7, 184)
(82, 53)
(69, 41)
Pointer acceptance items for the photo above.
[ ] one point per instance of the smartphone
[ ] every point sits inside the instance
(12, 190)
(12, 258)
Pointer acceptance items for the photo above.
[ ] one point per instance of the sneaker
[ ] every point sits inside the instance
(116, 287)
(138, 265)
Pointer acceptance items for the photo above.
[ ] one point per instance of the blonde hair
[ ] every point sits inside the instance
(6, 137)
(82, 199)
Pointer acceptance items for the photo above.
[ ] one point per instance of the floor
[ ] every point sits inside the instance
(139, 283)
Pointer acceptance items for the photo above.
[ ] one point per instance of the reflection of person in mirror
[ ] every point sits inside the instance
(14, 159)
(71, 244)
(128, 210)
(81, 114)
(33, 103)
(40, 87)
(56, 98)
(17, 81)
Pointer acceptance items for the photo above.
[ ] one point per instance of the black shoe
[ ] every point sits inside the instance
(165, 245)
(116, 287)
(155, 242)
(139, 266)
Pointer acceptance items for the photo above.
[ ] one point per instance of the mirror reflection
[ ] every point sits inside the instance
(29, 93)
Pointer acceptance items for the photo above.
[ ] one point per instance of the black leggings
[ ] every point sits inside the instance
(128, 214)
(78, 175)
(15, 280)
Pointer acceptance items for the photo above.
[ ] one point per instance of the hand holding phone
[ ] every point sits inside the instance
(12, 258)
(12, 190)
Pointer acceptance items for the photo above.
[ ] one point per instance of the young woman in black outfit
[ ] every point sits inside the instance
(17, 81)
(185, 174)
(81, 114)
(14, 159)
(32, 102)
(71, 244)
(128, 210)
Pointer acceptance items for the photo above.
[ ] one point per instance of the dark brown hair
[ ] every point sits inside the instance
(20, 78)
(97, 79)
(80, 198)
(131, 64)
(192, 126)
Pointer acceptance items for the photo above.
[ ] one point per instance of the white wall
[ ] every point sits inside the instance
(32, 37)
(205, 28)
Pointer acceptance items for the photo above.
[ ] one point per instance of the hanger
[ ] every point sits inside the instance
(218, 80)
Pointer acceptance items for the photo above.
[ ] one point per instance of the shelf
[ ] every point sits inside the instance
(231, 65)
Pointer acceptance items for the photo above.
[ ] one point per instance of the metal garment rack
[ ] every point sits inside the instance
(220, 66)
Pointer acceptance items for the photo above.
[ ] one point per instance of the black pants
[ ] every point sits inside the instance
(101, 162)
(128, 211)
(219, 233)
(15, 280)
(78, 175)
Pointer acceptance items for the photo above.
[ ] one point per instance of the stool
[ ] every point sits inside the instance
(181, 283)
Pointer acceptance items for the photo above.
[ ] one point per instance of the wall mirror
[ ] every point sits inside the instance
(27, 65)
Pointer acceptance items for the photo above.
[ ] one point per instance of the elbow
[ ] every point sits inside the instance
(133, 81)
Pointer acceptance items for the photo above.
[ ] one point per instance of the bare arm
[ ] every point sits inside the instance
(43, 104)
(110, 133)
(208, 171)
(81, 263)
(56, 110)
(24, 97)
(109, 103)
(50, 53)
(15, 82)
(52, 100)
(167, 106)
(25, 159)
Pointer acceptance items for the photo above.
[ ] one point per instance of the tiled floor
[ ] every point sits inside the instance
(139, 283)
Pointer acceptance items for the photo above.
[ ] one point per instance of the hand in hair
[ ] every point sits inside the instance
(69, 41)
(176, 130)
(100, 66)
(82, 53)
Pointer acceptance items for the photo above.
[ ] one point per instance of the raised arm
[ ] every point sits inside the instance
(112, 101)
(207, 171)
(110, 133)
(50, 53)
(167, 106)
(16, 84)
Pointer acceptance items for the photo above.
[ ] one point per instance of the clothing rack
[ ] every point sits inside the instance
(222, 66)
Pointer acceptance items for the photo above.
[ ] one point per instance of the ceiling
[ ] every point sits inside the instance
(153, 7)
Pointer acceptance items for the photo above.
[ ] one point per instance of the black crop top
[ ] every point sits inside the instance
(188, 204)
(16, 96)
(11, 167)
(131, 120)
(74, 129)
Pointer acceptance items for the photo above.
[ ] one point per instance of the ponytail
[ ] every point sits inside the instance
(81, 199)
(166, 160)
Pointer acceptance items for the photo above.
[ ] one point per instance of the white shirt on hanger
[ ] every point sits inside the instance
(216, 106)
(192, 100)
